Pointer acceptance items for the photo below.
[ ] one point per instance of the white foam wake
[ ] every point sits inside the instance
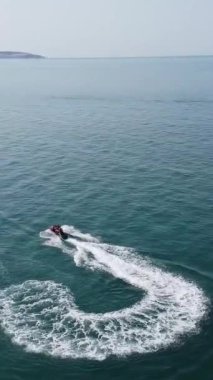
(42, 315)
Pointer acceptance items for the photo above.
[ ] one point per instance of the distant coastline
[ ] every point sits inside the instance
(19, 55)
(26, 55)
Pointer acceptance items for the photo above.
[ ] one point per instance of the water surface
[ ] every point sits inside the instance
(121, 150)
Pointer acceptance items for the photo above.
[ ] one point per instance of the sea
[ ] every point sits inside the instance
(120, 153)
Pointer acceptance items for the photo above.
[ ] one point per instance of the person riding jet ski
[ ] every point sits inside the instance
(58, 230)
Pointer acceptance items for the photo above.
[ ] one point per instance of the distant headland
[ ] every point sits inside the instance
(19, 54)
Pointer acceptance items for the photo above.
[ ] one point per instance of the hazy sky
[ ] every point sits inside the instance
(86, 28)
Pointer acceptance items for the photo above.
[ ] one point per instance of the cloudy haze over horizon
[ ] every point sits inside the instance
(107, 28)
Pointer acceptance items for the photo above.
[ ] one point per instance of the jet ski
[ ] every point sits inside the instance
(58, 230)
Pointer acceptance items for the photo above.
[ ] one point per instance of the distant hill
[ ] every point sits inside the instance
(18, 54)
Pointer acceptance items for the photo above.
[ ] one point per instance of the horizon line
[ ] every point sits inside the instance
(136, 57)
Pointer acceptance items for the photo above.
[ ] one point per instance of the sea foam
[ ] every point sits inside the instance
(42, 316)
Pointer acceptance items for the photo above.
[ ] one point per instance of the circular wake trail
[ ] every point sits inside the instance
(42, 315)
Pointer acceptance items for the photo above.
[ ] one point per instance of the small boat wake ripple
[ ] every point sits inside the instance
(42, 315)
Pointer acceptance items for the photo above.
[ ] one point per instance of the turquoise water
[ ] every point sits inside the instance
(120, 152)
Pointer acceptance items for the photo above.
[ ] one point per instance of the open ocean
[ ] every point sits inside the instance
(120, 152)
